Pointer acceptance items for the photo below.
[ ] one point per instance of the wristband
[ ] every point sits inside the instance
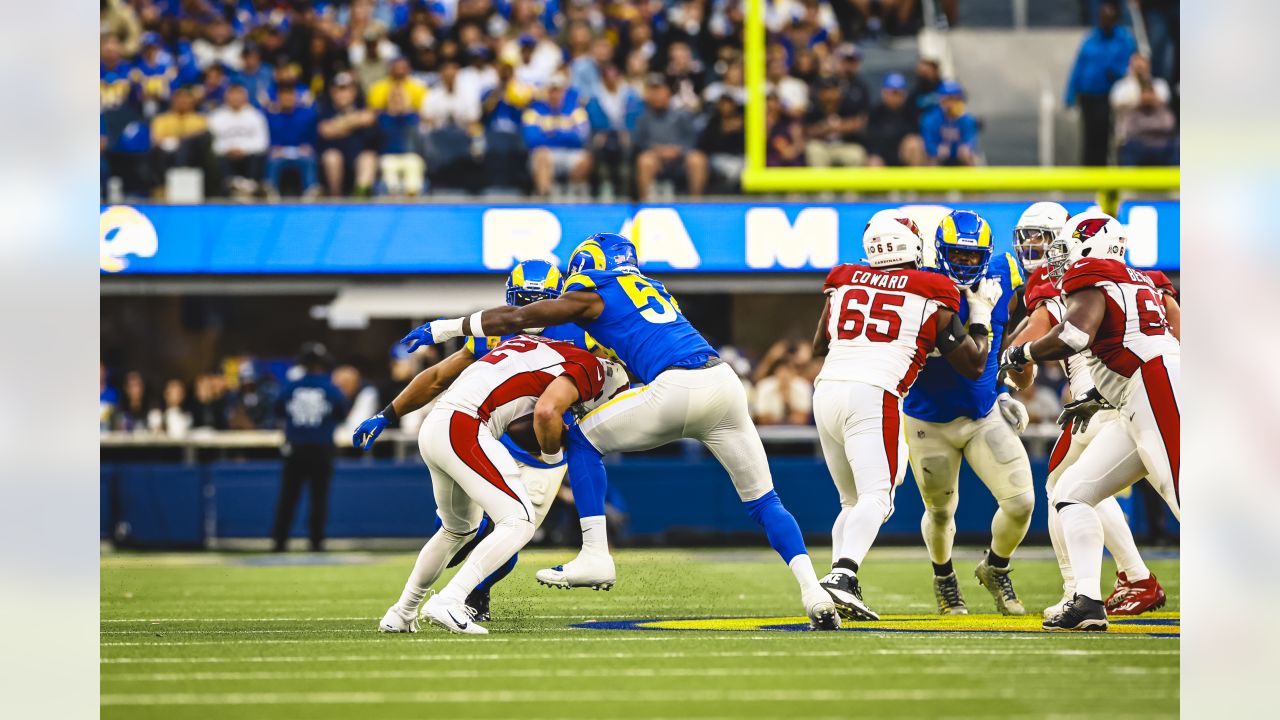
(476, 329)
(442, 330)
(1074, 337)
(978, 329)
(553, 459)
(389, 412)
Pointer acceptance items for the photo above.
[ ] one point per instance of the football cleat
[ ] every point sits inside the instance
(1055, 610)
(845, 590)
(1082, 614)
(396, 621)
(821, 609)
(451, 615)
(1134, 597)
(593, 570)
(947, 592)
(478, 603)
(997, 582)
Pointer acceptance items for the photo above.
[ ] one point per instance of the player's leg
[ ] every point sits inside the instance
(638, 419)
(1065, 451)
(997, 456)
(1108, 465)
(1154, 425)
(867, 458)
(935, 463)
(712, 408)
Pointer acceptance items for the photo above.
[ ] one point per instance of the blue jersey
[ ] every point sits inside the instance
(311, 406)
(570, 333)
(940, 394)
(641, 322)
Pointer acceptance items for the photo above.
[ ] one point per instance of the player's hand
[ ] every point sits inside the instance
(982, 300)
(1079, 412)
(421, 336)
(1014, 358)
(368, 431)
(1013, 411)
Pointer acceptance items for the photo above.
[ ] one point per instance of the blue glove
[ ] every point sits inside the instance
(368, 431)
(420, 337)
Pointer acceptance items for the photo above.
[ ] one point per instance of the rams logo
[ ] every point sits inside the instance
(123, 231)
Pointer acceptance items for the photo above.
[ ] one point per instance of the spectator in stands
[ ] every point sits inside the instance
(536, 64)
(613, 113)
(218, 46)
(685, 78)
(180, 137)
(154, 73)
(892, 135)
(1125, 93)
(257, 79)
(450, 103)
(849, 71)
(369, 57)
(174, 419)
(664, 142)
(118, 20)
(348, 135)
(213, 88)
(834, 127)
(723, 141)
(240, 142)
(397, 78)
(477, 76)
(502, 111)
(584, 71)
(1162, 19)
(783, 395)
(108, 399)
(251, 406)
(924, 95)
(785, 138)
(556, 131)
(403, 169)
(293, 142)
(128, 137)
(311, 407)
(1103, 59)
(210, 409)
(950, 133)
(731, 84)
(132, 413)
(1148, 134)
(791, 92)
(361, 396)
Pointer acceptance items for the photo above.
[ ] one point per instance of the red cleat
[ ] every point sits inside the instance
(1134, 597)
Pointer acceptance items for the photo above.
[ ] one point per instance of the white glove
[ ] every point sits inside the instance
(1013, 411)
(982, 301)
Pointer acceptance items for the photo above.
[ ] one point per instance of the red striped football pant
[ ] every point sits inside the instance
(470, 471)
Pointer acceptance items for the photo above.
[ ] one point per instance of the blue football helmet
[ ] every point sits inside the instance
(963, 234)
(603, 251)
(533, 280)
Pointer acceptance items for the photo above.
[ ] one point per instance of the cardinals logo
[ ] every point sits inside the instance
(1088, 228)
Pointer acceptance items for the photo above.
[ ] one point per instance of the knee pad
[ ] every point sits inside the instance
(881, 500)
(1019, 506)
(522, 527)
(939, 515)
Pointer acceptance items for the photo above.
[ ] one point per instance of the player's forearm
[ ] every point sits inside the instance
(548, 427)
(496, 321)
(422, 389)
(1051, 347)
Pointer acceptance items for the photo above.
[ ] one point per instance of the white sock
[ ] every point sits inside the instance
(428, 567)
(508, 537)
(802, 567)
(1060, 551)
(939, 535)
(837, 532)
(595, 538)
(1119, 540)
(861, 528)
(1083, 535)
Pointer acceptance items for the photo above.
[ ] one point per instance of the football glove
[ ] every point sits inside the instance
(982, 300)
(1013, 411)
(368, 431)
(419, 337)
(1014, 358)
(1078, 413)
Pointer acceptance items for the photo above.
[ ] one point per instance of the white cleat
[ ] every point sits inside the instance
(593, 570)
(397, 622)
(821, 609)
(451, 616)
(1054, 611)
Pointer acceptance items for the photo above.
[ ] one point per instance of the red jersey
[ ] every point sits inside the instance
(882, 323)
(1133, 329)
(505, 384)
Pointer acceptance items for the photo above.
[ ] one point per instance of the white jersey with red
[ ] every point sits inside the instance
(1134, 329)
(505, 384)
(882, 323)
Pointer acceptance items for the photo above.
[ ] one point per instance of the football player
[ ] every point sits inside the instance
(1118, 314)
(1136, 589)
(529, 281)
(950, 417)
(473, 472)
(879, 323)
(689, 393)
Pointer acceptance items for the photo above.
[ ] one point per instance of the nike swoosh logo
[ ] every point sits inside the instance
(461, 625)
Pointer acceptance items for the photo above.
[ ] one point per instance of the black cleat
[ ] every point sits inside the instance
(946, 590)
(847, 593)
(1080, 613)
(478, 603)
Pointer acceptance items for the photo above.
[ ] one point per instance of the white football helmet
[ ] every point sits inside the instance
(1087, 235)
(615, 382)
(1036, 229)
(892, 239)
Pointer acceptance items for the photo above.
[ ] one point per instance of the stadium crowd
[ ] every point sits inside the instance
(401, 97)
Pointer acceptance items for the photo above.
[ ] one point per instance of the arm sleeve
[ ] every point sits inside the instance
(534, 136)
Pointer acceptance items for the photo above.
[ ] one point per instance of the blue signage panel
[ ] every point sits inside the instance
(429, 238)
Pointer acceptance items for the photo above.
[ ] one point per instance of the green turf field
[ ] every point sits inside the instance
(213, 636)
